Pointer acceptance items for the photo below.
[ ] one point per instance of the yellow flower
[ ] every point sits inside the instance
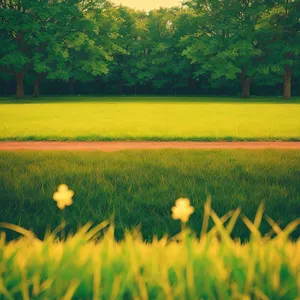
(63, 196)
(182, 210)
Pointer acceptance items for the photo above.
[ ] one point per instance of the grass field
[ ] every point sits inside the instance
(149, 118)
(139, 187)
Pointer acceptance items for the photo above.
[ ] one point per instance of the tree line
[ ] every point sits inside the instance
(203, 42)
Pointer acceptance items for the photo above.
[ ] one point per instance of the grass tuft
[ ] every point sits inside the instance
(213, 266)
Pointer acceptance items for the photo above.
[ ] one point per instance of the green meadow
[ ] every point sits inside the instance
(140, 187)
(149, 118)
(143, 253)
(160, 224)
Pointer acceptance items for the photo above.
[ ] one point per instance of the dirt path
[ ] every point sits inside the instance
(116, 146)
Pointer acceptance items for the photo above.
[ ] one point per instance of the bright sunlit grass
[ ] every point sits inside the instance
(90, 266)
(91, 118)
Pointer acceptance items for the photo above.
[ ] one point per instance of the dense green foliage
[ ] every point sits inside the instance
(250, 40)
(182, 267)
(139, 187)
(205, 46)
(149, 118)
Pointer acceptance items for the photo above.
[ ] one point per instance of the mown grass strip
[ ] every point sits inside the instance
(195, 119)
(95, 138)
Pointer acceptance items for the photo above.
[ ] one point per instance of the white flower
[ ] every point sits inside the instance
(63, 196)
(182, 210)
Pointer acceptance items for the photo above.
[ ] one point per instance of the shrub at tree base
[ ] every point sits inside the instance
(92, 265)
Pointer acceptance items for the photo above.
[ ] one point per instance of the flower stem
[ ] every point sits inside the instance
(64, 224)
(183, 231)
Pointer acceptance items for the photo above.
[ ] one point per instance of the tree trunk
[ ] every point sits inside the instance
(246, 84)
(120, 88)
(72, 85)
(36, 88)
(192, 84)
(287, 82)
(20, 85)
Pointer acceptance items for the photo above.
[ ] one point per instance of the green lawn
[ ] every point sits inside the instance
(149, 118)
(140, 187)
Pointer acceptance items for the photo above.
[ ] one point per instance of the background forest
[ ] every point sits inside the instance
(223, 47)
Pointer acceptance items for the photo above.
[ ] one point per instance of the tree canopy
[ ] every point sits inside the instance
(204, 44)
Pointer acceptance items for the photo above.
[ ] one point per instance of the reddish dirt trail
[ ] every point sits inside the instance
(117, 146)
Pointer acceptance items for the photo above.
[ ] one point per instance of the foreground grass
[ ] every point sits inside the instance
(143, 118)
(212, 267)
(139, 187)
